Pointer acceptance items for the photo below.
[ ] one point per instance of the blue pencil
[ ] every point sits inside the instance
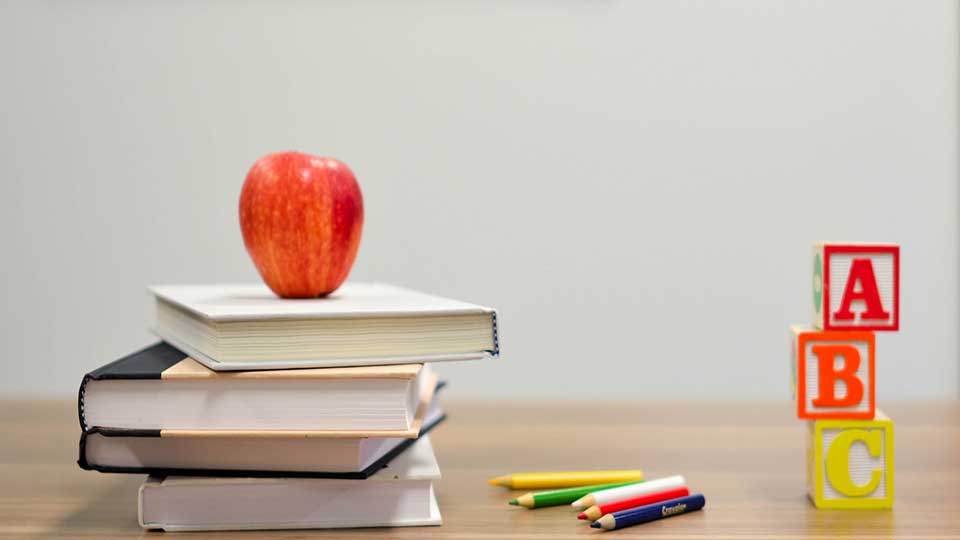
(650, 512)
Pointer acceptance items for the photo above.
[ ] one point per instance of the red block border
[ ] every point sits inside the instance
(830, 249)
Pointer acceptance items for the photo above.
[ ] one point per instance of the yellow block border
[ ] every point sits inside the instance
(879, 421)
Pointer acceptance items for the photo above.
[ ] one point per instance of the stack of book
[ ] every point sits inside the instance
(256, 412)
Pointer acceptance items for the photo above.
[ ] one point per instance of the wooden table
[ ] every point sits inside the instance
(747, 458)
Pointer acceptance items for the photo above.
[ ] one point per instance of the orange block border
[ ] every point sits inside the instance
(838, 336)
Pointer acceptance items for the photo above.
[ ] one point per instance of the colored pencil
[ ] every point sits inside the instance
(555, 497)
(628, 492)
(549, 480)
(594, 512)
(650, 512)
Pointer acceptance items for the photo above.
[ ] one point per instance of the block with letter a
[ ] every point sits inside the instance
(856, 286)
(834, 373)
(850, 463)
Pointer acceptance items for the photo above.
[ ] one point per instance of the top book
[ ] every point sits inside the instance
(243, 327)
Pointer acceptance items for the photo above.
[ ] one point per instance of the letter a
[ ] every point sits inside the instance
(861, 270)
(827, 375)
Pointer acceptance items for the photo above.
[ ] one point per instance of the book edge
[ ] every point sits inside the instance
(216, 365)
(468, 309)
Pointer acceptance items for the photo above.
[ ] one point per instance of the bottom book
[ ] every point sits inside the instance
(400, 494)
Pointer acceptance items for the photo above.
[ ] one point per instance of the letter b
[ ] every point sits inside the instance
(835, 375)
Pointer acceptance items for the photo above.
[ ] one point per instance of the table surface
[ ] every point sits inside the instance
(748, 459)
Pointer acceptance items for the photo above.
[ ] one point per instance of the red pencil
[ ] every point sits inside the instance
(594, 512)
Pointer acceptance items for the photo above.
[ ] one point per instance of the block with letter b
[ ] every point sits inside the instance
(834, 373)
(856, 286)
(850, 463)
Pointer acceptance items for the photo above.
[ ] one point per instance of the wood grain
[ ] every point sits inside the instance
(748, 459)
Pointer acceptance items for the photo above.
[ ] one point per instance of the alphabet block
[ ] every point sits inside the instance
(834, 373)
(856, 286)
(850, 463)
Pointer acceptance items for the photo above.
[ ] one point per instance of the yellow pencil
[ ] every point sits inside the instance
(547, 480)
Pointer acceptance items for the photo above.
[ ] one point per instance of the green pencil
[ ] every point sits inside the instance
(557, 497)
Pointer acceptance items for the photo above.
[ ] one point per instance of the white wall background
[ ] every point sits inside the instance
(634, 184)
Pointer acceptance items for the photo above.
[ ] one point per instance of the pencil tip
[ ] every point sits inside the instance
(514, 502)
(595, 525)
(581, 515)
(575, 504)
(495, 481)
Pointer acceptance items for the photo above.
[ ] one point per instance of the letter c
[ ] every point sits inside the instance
(838, 461)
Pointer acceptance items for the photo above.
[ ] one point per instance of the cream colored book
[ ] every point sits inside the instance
(243, 327)
(162, 390)
(149, 452)
(399, 495)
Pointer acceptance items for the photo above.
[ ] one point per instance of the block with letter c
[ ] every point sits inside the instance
(850, 463)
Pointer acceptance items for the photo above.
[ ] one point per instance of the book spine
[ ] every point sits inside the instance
(82, 457)
(80, 404)
(496, 334)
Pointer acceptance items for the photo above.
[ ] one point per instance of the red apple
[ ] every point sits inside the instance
(301, 218)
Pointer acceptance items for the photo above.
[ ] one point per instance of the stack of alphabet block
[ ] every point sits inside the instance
(856, 292)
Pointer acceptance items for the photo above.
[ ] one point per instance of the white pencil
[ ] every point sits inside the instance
(607, 496)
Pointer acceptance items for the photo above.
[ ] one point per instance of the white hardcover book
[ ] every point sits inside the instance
(243, 327)
(400, 494)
